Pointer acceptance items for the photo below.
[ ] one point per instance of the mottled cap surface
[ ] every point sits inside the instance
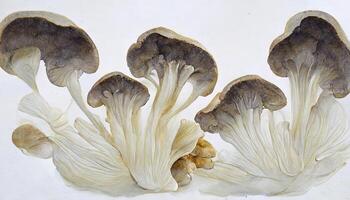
(117, 83)
(319, 35)
(64, 46)
(250, 90)
(172, 46)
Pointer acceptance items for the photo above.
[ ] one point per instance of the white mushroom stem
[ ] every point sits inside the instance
(326, 130)
(25, 64)
(304, 78)
(160, 134)
(74, 89)
(152, 80)
(123, 117)
(305, 81)
(175, 76)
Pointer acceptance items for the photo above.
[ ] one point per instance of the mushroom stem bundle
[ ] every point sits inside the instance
(150, 150)
(271, 155)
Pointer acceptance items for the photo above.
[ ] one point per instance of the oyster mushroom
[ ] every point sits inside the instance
(169, 61)
(313, 53)
(123, 98)
(30, 36)
(235, 113)
(148, 164)
(276, 157)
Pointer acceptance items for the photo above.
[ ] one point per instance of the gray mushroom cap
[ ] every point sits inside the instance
(321, 35)
(64, 46)
(172, 46)
(252, 89)
(117, 82)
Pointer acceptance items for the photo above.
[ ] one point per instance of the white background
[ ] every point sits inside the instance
(237, 33)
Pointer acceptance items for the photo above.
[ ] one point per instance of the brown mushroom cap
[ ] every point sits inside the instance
(260, 92)
(64, 46)
(32, 140)
(321, 35)
(117, 82)
(172, 46)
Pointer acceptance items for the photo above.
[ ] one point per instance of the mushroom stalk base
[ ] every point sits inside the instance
(151, 151)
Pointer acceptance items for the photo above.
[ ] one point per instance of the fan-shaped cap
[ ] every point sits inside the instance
(319, 34)
(64, 46)
(253, 90)
(172, 46)
(117, 82)
(31, 140)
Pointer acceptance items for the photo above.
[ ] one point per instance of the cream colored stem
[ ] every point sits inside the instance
(25, 64)
(304, 94)
(74, 89)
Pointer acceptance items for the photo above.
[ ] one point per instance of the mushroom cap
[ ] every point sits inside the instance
(164, 42)
(116, 82)
(321, 35)
(64, 46)
(258, 91)
(32, 140)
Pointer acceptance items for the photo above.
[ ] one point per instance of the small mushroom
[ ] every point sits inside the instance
(247, 92)
(201, 157)
(32, 141)
(235, 113)
(122, 96)
(66, 50)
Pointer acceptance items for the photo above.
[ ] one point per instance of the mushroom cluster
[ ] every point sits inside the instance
(135, 151)
(157, 155)
(272, 155)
